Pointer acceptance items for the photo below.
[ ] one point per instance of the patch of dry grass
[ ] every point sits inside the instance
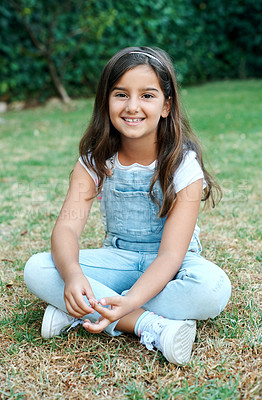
(227, 356)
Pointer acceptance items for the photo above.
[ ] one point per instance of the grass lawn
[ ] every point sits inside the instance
(39, 148)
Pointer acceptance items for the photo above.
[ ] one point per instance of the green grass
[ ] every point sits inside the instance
(39, 148)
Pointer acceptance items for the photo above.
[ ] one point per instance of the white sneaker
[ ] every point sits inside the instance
(56, 321)
(173, 338)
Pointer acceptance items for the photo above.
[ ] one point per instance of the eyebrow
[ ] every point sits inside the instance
(143, 89)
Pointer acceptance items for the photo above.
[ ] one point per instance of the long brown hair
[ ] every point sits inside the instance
(174, 136)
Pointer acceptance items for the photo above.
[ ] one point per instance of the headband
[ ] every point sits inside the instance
(148, 55)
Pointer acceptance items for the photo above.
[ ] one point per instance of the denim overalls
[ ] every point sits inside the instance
(133, 233)
(131, 221)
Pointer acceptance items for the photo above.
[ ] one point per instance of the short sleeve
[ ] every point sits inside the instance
(189, 171)
(90, 171)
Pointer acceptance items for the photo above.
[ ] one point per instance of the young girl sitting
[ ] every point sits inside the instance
(140, 155)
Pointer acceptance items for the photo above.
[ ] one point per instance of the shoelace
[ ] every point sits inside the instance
(73, 325)
(151, 334)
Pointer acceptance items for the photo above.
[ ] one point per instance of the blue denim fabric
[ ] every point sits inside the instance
(199, 290)
(130, 214)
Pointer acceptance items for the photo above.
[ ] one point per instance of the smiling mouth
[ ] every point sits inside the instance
(133, 119)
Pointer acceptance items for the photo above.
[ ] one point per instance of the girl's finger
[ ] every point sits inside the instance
(96, 327)
(105, 312)
(82, 305)
(71, 311)
(115, 300)
(88, 292)
(78, 307)
(93, 302)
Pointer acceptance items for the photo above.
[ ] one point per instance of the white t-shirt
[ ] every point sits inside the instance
(188, 171)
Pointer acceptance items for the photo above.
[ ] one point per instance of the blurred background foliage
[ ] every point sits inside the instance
(59, 47)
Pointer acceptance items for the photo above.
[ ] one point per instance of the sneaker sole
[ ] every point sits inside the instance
(177, 347)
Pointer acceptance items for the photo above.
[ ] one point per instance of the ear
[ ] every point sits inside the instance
(166, 109)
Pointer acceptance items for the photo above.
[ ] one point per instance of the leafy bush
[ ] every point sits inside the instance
(66, 43)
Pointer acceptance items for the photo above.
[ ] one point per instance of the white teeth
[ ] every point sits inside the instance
(133, 119)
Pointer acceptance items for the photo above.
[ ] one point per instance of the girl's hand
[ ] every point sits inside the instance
(76, 287)
(119, 307)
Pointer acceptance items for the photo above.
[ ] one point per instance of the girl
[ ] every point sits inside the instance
(149, 278)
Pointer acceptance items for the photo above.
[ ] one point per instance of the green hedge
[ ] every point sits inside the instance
(207, 40)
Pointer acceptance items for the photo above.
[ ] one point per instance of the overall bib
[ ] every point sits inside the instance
(133, 233)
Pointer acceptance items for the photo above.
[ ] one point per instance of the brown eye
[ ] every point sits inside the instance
(148, 96)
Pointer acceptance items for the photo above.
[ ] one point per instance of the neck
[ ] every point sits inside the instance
(130, 153)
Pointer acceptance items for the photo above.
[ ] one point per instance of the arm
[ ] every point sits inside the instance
(177, 234)
(64, 241)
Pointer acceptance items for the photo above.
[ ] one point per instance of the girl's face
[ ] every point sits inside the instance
(136, 104)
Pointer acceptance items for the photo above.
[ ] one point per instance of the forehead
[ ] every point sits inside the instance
(142, 74)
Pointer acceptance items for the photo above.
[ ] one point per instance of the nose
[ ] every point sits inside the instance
(132, 105)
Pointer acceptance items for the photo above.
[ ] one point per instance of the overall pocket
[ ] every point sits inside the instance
(133, 213)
